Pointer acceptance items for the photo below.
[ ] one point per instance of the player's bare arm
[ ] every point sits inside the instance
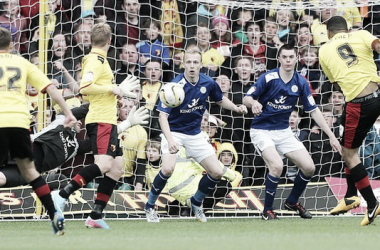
(164, 123)
(318, 118)
(227, 104)
(70, 119)
(255, 105)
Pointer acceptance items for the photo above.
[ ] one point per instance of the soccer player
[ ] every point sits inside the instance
(181, 127)
(15, 73)
(347, 59)
(101, 121)
(272, 99)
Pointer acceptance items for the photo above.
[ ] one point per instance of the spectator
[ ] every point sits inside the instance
(129, 58)
(11, 19)
(133, 143)
(309, 67)
(327, 162)
(127, 23)
(325, 10)
(285, 20)
(337, 100)
(152, 47)
(172, 23)
(153, 166)
(221, 35)
(349, 10)
(304, 37)
(211, 129)
(242, 17)
(270, 37)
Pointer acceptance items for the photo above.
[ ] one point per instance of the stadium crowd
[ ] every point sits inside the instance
(238, 44)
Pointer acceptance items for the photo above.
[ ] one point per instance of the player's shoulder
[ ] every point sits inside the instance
(94, 58)
(270, 76)
(205, 78)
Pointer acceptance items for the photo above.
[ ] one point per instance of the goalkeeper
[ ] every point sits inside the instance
(101, 122)
(55, 144)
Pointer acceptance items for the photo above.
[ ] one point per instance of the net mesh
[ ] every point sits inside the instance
(239, 41)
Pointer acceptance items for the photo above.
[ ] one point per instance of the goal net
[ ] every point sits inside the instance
(239, 41)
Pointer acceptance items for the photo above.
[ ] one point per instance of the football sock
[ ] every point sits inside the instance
(206, 185)
(103, 195)
(271, 183)
(360, 176)
(157, 186)
(84, 176)
(42, 190)
(300, 183)
(351, 188)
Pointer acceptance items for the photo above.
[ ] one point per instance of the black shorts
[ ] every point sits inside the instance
(13, 176)
(103, 137)
(15, 141)
(358, 118)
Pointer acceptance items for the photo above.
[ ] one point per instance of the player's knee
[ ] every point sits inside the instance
(276, 170)
(3, 179)
(216, 173)
(309, 170)
(167, 171)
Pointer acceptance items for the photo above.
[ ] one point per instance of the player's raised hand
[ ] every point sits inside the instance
(257, 108)
(335, 145)
(129, 84)
(139, 116)
(241, 109)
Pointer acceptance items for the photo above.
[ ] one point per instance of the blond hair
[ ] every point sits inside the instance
(100, 34)
(192, 51)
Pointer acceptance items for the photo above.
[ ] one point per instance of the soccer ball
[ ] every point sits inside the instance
(172, 95)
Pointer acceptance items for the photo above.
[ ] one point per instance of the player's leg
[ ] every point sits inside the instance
(357, 119)
(304, 162)
(10, 176)
(103, 143)
(104, 193)
(21, 151)
(265, 146)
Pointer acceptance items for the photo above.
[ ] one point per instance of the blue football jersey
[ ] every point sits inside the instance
(279, 99)
(187, 117)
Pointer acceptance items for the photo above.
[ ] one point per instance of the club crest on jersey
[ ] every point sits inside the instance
(294, 89)
(203, 90)
(113, 148)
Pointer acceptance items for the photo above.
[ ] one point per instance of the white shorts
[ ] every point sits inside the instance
(283, 140)
(196, 146)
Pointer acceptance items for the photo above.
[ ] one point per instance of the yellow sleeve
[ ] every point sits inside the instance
(36, 78)
(367, 37)
(91, 71)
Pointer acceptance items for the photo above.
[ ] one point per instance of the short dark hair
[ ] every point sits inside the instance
(287, 47)
(5, 38)
(337, 23)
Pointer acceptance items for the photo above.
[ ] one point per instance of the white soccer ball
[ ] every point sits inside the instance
(172, 94)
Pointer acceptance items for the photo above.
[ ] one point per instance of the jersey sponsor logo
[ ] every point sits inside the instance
(67, 143)
(281, 100)
(194, 103)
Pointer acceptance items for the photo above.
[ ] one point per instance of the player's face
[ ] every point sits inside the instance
(152, 154)
(294, 120)
(226, 158)
(153, 71)
(129, 54)
(59, 45)
(224, 83)
(304, 36)
(192, 64)
(288, 60)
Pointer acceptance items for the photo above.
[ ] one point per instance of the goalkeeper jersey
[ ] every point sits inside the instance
(15, 73)
(347, 59)
(96, 70)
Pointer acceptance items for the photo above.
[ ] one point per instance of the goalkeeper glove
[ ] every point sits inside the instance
(129, 84)
(135, 117)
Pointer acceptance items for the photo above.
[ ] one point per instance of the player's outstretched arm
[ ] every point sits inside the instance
(70, 119)
(318, 118)
(227, 104)
(135, 117)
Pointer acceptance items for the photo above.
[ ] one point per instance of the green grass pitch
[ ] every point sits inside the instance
(219, 234)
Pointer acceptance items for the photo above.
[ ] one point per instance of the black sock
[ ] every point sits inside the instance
(103, 194)
(84, 176)
(42, 190)
(351, 188)
(360, 176)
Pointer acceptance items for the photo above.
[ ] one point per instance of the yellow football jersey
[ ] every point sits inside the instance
(347, 59)
(15, 73)
(133, 143)
(96, 83)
